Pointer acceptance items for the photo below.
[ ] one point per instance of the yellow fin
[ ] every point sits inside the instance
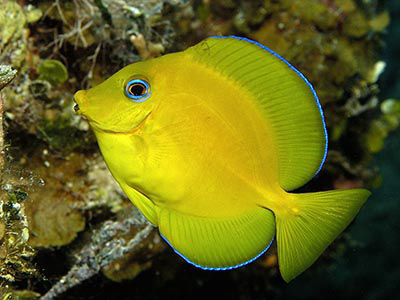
(284, 96)
(313, 222)
(218, 243)
(144, 204)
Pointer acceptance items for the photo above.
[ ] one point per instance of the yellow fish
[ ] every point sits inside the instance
(207, 143)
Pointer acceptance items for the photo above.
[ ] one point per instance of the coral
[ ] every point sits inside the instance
(146, 50)
(14, 250)
(2, 230)
(53, 223)
(104, 190)
(132, 263)
(380, 22)
(105, 247)
(19, 295)
(7, 74)
(328, 56)
(12, 27)
(14, 233)
(52, 213)
(380, 128)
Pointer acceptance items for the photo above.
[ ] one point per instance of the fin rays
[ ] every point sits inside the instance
(281, 91)
(322, 217)
(218, 243)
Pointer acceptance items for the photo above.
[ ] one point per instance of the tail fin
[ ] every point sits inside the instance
(316, 220)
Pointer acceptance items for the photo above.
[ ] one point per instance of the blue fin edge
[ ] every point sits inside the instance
(217, 268)
(301, 76)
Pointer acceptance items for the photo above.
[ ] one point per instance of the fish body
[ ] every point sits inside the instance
(207, 143)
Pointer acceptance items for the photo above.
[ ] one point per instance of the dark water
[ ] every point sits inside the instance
(371, 271)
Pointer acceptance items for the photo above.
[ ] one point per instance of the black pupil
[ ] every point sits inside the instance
(137, 89)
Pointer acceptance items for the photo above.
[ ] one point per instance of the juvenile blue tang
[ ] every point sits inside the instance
(208, 142)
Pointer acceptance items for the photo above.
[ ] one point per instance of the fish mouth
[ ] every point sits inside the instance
(76, 108)
(78, 111)
(80, 98)
(97, 126)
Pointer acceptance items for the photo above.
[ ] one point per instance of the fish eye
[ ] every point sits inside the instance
(138, 90)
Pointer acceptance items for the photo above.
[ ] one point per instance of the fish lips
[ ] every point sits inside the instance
(76, 108)
(79, 97)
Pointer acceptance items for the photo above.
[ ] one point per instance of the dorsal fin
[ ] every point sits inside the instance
(286, 98)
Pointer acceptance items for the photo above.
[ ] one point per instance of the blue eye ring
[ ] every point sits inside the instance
(138, 90)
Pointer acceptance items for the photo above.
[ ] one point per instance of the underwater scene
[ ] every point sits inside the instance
(192, 149)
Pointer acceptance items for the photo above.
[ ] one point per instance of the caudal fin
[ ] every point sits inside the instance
(315, 221)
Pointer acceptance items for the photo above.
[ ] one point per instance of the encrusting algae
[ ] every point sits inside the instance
(87, 41)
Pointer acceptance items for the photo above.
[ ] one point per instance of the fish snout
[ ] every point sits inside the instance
(76, 108)
(80, 99)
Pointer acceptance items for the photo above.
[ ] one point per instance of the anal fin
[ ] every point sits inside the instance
(144, 204)
(218, 243)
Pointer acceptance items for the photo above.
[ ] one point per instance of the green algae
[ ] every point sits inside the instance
(7, 74)
(328, 57)
(356, 25)
(20, 295)
(53, 223)
(59, 134)
(14, 251)
(53, 71)
(13, 31)
(2, 230)
(380, 22)
(52, 217)
(12, 25)
(380, 128)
